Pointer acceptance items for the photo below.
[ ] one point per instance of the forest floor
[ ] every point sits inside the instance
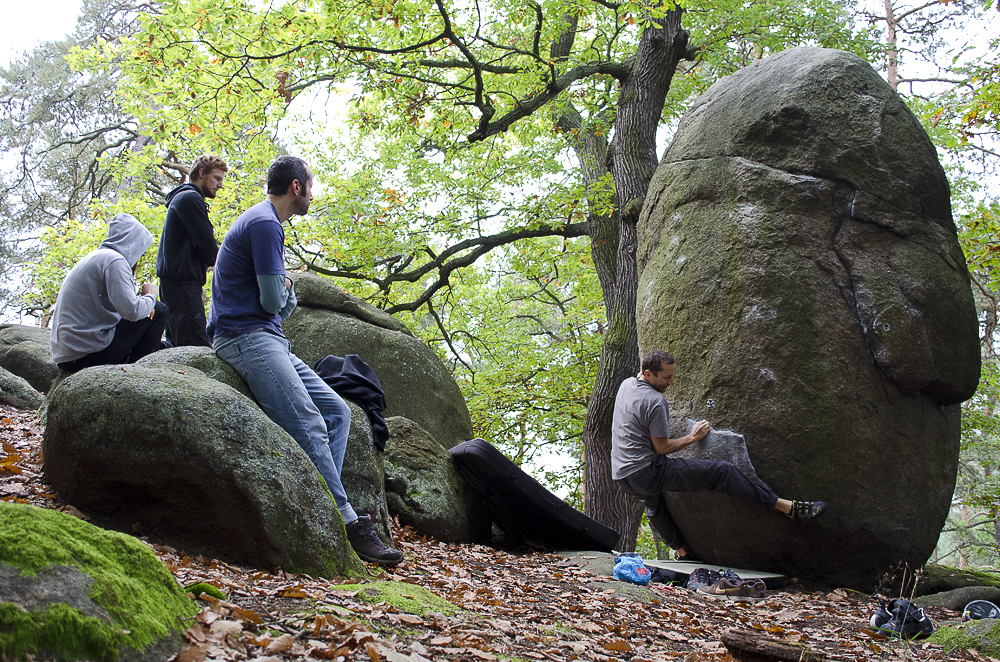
(498, 605)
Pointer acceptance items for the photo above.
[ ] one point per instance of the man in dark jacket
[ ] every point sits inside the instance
(187, 249)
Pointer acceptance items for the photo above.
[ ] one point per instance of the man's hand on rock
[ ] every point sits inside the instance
(700, 430)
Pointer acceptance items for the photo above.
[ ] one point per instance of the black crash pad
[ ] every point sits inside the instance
(522, 508)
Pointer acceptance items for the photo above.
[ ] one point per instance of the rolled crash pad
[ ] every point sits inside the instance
(522, 508)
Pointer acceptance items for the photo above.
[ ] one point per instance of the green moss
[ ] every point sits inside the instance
(130, 584)
(204, 587)
(60, 629)
(938, 578)
(408, 598)
(984, 636)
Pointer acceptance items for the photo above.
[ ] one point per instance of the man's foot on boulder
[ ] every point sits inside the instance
(367, 545)
(686, 556)
(806, 509)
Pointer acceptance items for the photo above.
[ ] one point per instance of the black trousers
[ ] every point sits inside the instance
(131, 342)
(186, 320)
(680, 475)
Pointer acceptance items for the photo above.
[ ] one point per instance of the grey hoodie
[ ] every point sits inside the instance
(99, 291)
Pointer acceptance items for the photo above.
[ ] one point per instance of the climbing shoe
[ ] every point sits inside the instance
(701, 577)
(908, 620)
(806, 509)
(366, 543)
(979, 609)
(881, 616)
(735, 589)
(684, 557)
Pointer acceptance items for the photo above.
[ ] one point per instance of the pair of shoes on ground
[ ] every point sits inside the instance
(367, 545)
(700, 577)
(806, 509)
(736, 589)
(901, 618)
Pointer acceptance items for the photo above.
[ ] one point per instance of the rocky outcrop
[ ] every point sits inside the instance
(168, 451)
(424, 489)
(798, 256)
(416, 384)
(69, 591)
(16, 392)
(25, 352)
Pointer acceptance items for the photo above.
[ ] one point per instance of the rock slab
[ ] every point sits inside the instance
(187, 460)
(71, 591)
(797, 255)
(25, 351)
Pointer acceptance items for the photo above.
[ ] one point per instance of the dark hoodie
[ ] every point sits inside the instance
(187, 245)
(99, 291)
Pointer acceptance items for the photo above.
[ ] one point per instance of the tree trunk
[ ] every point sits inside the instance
(633, 160)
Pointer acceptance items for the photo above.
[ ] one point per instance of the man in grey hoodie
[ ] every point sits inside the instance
(98, 318)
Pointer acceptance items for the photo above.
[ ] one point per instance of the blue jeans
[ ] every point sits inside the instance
(295, 398)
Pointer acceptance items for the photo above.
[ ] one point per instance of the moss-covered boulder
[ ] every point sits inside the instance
(983, 636)
(798, 257)
(16, 392)
(25, 351)
(416, 383)
(363, 474)
(941, 578)
(425, 491)
(202, 358)
(72, 591)
(189, 461)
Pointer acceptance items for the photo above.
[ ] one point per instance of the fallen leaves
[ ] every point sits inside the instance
(514, 605)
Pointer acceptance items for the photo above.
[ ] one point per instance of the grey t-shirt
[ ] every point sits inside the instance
(641, 413)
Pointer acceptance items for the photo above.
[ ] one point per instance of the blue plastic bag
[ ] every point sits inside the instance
(630, 568)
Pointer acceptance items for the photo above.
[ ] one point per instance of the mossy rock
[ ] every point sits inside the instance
(72, 591)
(408, 598)
(982, 635)
(940, 578)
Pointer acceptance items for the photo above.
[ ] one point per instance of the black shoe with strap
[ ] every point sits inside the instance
(367, 545)
(806, 509)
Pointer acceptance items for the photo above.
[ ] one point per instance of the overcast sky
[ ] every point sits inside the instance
(26, 24)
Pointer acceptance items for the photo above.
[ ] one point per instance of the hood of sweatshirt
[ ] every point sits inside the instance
(129, 237)
(181, 188)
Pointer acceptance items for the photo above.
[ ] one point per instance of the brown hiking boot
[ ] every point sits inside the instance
(735, 589)
(366, 543)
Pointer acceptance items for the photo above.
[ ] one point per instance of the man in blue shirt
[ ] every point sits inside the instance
(251, 295)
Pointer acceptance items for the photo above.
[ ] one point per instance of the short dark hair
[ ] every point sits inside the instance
(205, 164)
(654, 359)
(283, 171)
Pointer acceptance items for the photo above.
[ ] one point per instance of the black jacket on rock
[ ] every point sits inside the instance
(354, 380)
(187, 245)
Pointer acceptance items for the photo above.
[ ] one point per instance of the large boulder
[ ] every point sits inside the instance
(798, 256)
(417, 385)
(25, 351)
(189, 461)
(424, 489)
(72, 591)
(16, 392)
(202, 358)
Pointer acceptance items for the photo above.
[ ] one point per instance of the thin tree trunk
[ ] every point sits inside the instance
(632, 163)
(891, 73)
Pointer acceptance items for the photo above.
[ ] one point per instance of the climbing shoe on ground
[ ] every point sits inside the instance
(366, 543)
(881, 616)
(806, 509)
(701, 577)
(979, 609)
(735, 589)
(908, 620)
